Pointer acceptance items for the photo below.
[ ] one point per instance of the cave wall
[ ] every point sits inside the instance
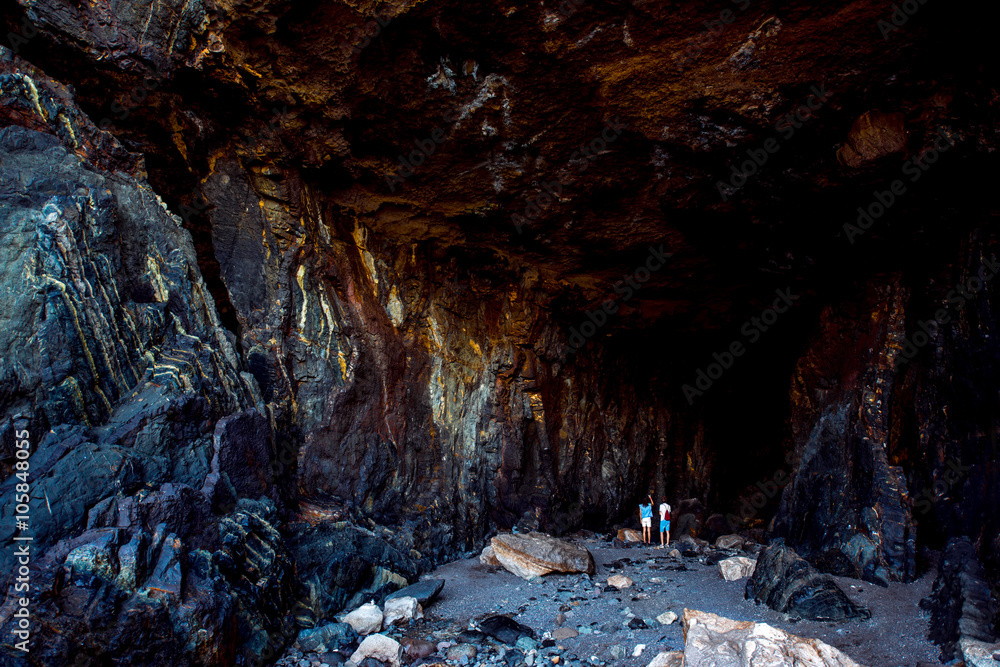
(424, 390)
(891, 418)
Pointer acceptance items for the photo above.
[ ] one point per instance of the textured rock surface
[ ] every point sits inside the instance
(789, 584)
(736, 568)
(714, 641)
(424, 591)
(667, 659)
(401, 610)
(505, 629)
(536, 554)
(366, 619)
(397, 358)
(961, 604)
(384, 649)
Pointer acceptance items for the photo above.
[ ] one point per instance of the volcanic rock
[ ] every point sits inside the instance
(330, 637)
(873, 135)
(961, 604)
(424, 591)
(505, 629)
(789, 584)
(537, 554)
(729, 542)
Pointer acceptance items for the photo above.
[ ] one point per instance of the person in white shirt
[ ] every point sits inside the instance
(664, 523)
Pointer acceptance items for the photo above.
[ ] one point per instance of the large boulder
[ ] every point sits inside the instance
(667, 659)
(716, 641)
(736, 568)
(366, 619)
(536, 554)
(629, 535)
(789, 584)
(330, 637)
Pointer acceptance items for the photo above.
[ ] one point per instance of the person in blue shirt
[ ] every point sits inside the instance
(646, 519)
(664, 524)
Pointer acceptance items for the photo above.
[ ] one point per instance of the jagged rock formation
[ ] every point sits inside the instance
(789, 584)
(251, 255)
(961, 604)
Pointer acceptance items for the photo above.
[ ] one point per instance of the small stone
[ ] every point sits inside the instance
(666, 618)
(560, 619)
(996, 655)
(559, 634)
(637, 651)
(526, 644)
(637, 624)
(619, 581)
(460, 651)
(417, 648)
(618, 652)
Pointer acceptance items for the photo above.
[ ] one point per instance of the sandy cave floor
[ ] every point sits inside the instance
(896, 634)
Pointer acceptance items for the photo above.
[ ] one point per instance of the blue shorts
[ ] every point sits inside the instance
(664, 526)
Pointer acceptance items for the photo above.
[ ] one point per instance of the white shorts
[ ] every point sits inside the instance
(647, 522)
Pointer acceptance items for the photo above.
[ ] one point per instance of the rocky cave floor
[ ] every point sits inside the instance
(896, 634)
